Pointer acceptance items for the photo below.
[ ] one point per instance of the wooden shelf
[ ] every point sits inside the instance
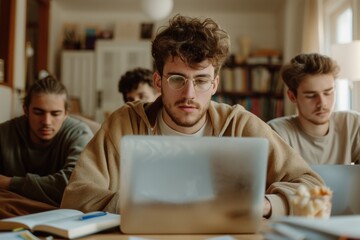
(250, 94)
(256, 86)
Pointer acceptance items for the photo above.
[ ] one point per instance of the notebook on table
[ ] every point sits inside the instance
(189, 185)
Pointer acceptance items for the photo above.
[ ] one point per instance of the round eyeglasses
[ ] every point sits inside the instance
(201, 84)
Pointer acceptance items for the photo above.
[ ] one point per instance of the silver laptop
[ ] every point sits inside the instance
(189, 185)
(344, 180)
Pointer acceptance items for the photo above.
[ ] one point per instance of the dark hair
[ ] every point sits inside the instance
(47, 85)
(132, 78)
(193, 41)
(304, 65)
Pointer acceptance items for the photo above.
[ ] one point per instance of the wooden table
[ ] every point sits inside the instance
(117, 235)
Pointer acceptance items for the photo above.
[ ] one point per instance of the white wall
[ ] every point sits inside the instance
(19, 58)
(5, 103)
(293, 25)
(19, 50)
(356, 85)
(263, 28)
(10, 102)
(356, 96)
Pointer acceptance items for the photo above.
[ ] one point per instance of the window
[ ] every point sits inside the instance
(340, 30)
(344, 31)
(344, 34)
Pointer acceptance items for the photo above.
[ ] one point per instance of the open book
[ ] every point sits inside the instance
(67, 223)
(17, 235)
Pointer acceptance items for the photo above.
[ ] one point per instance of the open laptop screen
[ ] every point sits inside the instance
(172, 184)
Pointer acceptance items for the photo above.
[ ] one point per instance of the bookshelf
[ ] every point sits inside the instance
(256, 86)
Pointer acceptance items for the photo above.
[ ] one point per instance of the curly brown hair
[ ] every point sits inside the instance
(307, 64)
(193, 41)
(132, 78)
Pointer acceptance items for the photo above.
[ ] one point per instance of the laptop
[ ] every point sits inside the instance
(192, 185)
(344, 181)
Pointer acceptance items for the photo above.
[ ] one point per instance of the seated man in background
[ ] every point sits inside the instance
(188, 55)
(39, 150)
(320, 135)
(137, 84)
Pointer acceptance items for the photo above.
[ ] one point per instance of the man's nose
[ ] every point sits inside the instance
(321, 101)
(46, 119)
(189, 89)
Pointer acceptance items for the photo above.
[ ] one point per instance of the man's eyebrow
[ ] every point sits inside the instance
(56, 111)
(38, 109)
(325, 90)
(203, 75)
(329, 89)
(184, 75)
(43, 110)
(174, 73)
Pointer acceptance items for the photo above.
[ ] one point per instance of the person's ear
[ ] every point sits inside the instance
(157, 81)
(26, 111)
(215, 85)
(291, 96)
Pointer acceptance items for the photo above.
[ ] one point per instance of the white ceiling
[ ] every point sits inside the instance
(193, 5)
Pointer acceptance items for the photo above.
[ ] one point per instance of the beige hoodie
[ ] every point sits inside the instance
(94, 184)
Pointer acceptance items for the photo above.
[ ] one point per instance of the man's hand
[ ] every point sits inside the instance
(4, 182)
(267, 209)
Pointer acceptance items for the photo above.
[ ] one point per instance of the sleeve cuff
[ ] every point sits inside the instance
(16, 184)
(279, 206)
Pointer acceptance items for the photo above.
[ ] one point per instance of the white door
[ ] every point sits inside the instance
(113, 59)
(77, 74)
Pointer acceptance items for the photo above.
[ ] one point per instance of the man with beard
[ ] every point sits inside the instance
(39, 150)
(188, 55)
(320, 135)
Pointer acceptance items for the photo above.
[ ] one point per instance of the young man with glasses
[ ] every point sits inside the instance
(188, 55)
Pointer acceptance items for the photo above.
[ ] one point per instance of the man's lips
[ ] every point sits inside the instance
(46, 131)
(188, 108)
(321, 113)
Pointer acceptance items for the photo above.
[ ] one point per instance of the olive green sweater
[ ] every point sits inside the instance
(41, 173)
(94, 184)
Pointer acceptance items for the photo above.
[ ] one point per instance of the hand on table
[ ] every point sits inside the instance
(267, 209)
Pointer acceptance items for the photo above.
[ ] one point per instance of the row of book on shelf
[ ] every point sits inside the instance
(264, 107)
(257, 79)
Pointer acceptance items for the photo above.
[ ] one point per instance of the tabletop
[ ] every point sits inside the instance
(116, 234)
(119, 236)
